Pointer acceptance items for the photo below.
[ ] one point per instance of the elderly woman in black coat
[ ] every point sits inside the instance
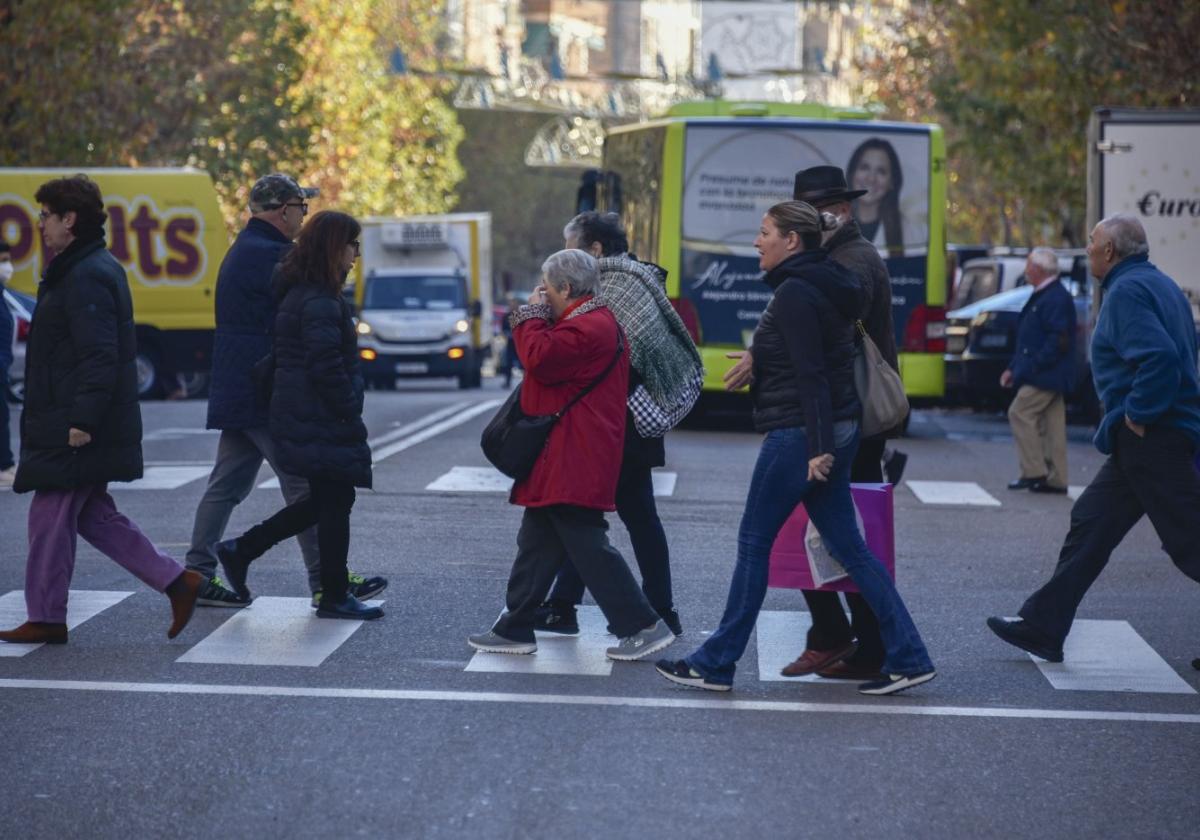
(316, 411)
(82, 427)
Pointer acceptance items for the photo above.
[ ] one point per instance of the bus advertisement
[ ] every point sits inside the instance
(691, 189)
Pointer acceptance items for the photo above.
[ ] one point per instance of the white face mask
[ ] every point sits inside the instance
(6, 271)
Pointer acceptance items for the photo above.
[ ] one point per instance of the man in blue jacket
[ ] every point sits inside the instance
(1144, 365)
(245, 311)
(1042, 371)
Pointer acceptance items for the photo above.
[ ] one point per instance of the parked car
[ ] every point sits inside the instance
(982, 336)
(21, 306)
(986, 276)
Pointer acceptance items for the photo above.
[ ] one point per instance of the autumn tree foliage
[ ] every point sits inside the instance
(236, 87)
(1014, 83)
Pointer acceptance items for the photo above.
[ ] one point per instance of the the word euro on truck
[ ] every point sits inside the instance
(165, 227)
(691, 189)
(423, 297)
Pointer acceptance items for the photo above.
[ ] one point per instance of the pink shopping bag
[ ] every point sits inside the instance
(789, 568)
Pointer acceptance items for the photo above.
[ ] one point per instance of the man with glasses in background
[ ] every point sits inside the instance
(245, 314)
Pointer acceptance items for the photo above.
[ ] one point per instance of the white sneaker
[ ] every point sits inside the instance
(8, 476)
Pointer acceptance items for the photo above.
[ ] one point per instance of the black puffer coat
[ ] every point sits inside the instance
(804, 349)
(317, 398)
(80, 373)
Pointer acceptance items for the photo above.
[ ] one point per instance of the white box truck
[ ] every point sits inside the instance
(423, 297)
(1146, 162)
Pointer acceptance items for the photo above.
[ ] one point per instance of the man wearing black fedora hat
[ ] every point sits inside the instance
(831, 650)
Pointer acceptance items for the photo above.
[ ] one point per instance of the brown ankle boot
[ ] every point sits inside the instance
(36, 632)
(182, 592)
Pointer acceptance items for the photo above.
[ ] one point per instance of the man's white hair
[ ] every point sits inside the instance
(575, 268)
(1127, 234)
(1045, 259)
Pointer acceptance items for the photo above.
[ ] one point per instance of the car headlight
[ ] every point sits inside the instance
(363, 328)
(462, 326)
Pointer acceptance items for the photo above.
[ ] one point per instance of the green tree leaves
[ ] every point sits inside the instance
(237, 87)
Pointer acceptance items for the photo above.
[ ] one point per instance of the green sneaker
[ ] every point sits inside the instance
(359, 586)
(214, 593)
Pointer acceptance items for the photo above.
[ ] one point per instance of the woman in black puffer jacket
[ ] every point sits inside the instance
(316, 411)
(806, 403)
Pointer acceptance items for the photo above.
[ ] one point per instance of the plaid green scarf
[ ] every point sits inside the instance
(660, 349)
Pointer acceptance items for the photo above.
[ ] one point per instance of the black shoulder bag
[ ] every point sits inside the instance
(513, 440)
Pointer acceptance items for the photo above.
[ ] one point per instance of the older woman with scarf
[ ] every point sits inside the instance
(664, 379)
(574, 354)
(806, 403)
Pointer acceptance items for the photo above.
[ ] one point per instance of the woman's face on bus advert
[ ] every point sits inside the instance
(873, 174)
(773, 246)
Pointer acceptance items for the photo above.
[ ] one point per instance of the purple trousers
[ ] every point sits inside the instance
(55, 518)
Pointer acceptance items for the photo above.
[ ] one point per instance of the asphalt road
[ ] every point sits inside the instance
(392, 736)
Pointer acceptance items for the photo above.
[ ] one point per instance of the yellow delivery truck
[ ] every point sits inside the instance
(165, 227)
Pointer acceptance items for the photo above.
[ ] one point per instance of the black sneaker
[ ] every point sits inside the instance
(1018, 633)
(681, 673)
(351, 608)
(213, 593)
(895, 683)
(235, 566)
(362, 588)
(556, 617)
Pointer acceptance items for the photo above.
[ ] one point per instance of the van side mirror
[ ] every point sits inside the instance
(475, 309)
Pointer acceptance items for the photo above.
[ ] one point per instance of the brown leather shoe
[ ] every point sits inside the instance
(812, 661)
(182, 592)
(849, 671)
(36, 632)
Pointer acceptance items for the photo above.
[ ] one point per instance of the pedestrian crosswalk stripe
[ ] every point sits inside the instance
(781, 637)
(274, 631)
(952, 493)
(491, 480)
(1074, 491)
(1111, 656)
(164, 478)
(581, 655)
(82, 604)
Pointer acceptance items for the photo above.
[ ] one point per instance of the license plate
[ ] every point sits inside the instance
(993, 341)
(412, 367)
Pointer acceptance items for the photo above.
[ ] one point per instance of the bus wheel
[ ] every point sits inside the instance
(149, 372)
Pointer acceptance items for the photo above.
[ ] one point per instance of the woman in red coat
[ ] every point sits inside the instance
(567, 340)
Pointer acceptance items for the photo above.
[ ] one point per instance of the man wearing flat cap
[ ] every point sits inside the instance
(245, 314)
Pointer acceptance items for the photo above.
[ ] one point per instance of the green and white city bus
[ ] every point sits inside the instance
(691, 189)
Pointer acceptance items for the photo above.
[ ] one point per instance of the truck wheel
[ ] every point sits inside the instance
(149, 372)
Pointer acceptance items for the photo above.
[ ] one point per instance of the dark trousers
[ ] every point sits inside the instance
(637, 510)
(563, 536)
(6, 455)
(1154, 476)
(830, 629)
(328, 507)
(508, 359)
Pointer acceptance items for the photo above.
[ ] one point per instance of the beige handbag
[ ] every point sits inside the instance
(880, 389)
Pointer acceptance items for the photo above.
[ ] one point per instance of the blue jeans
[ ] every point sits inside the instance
(779, 484)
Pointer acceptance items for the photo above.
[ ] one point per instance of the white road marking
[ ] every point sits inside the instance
(82, 604)
(1074, 491)
(170, 433)
(380, 445)
(390, 449)
(581, 655)
(274, 631)
(780, 637)
(880, 707)
(491, 480)
(1111, 656)
(165, 478)
(952, 493)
